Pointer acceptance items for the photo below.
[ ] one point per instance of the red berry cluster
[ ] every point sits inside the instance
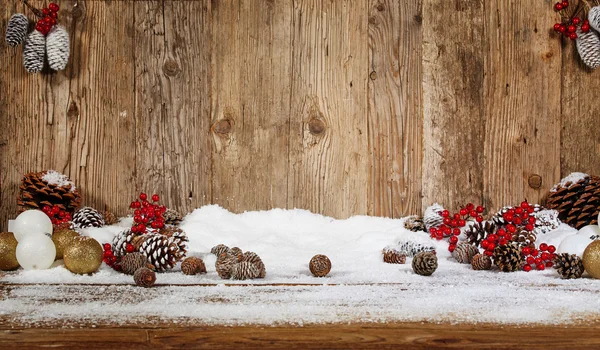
(45, 24)
(517, 218)
(147, 214)
(569, 26)
(109, 257)
(538, 259)
(56, 215)
(453, 223)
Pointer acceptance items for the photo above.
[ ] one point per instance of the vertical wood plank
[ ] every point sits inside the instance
(250, 93)
(328, 149)
(522, 101)
(395, 107)
(453, 103)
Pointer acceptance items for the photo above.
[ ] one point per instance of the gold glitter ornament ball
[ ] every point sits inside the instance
(8, 251)
(83, 256)
(63, 238)
(591, 259)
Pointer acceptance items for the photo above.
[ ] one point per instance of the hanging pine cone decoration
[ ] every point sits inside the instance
(244, 270)
(144, 277)
(192, 266)
(569, 265)
(588, 46)
(410, 248)
(508, 258)
(257, 261)
(414, 223)
(433, 216)
(48, 188)
(224, 264)
(161, 251)
(481, 262)
(319, 265)
(172, 217)
(424, 263)
(58, 48)
(391, 255)
(87, 217)
(478, 231)
(219, 249)
(464, 252)
(131, 262)
(594, 18)
(34, 52)
(577, 200)
(16, 29)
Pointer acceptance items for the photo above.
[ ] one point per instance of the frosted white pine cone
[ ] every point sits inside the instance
(588, 46)
(433, 217)
(58, 48)
(16, 29)
(34, 52)
(594, 18)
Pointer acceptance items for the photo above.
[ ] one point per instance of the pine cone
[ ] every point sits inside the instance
(244, 270)
(577, 200)
(58, 48)
(109, 218)
(524, 238)
(433, 216)
(87, 217)
(193, 266)
(144, 277)
(319, 265)
(172, 217)
(424, 263)
(256, 260)
(594, 18)
(588, 46)
(392, 256)
(16, 29)
(177, 236)
(237, 252)
(131, 262)
(569, 265)
(508, 258)
(464, 252)
(546, 221)
(414, 223)
(224, 264)
(48, 188)
(34, 52)
(219, 249)
(161, 251)
(478, 231)
(481, 262)
(120, 241)
(410, 248)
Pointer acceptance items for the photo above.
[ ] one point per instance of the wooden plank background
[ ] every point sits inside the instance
(376, 107)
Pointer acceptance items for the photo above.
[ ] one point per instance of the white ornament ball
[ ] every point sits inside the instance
(589, 230)
(31, 222)
(36, 252)
(574, 244)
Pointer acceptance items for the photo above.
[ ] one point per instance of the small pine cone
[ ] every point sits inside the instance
(120, 241)
(594, 18)
(193, 266)
(410, 248)
(319, 265)
(481, 262)
(48, 188)
(131, 262)
(256, 260)
(144, 277)
(524, 238)
(58, 48)
(478, 231)
(109, 218)
(244, 270)
(16, 29)
(588, 46)
(219, 249)
(424, 263)
(34, 52)
(569, 265)
(172, 217)
(433, 216)
(391, 255)
(87, 217)
(237, 252)
(414, 223)
(546, 221)
(161, 252)
(508, 258)
(464, 252)
(224, 264)
(577, 199)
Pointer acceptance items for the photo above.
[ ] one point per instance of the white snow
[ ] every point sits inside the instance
(360, 287)
(53, 177)
(571, 178)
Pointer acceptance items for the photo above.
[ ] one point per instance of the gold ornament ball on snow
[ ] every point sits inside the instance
(83, 256)
(591, 259)
(63, 238)
(8, 251)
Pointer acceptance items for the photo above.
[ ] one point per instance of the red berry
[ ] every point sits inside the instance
(462, 223)
(517, 221)
(155, 198)
(464, 212)
(454, 223)
(573, 36)
(509, 218)
(113, 259)
(585, 28)
(545, 256)
(525, 204)
(534, 252)
(571, 28)
(527, 268)
(447, 221)
(576, 20)
(485, 244)
(526, 251)
(492, 237)
(565, 4)
(451, 247)
(519, 210)
(491, 246)
(445, 213)
(540, 267)
(129, 248)
(453, 239)
(531, 220)
(551, 249)
(511, 228)
(479, 209)
(107, 246)
(549, 264)
(53, 15)
(473, 213)
(456, 231)
(457, 216)
(53, 7)
(470, 206)
(143, 196)
(479, 218)
(107, 254)
(530, 260)
(543, 247)
(46, 11)
(488, 253)
(502, 241)
(432, 230)
(558, 6)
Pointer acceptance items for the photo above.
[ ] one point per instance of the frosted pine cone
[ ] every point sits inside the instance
(16, 29)
(414, 223)
(410, 248)
(577, 200)
(120, 241)
(546, 221)
(319, 265)
(224, 264)
(172, 217)
(391, 255)
(433, 216)
(131, 262)
(256, 260)
(594, 18)
(177, 236)
(34, 52)
(237, 252)
(524, 238)
(48, 188)
(58, 48)
(244, 270)
(569, 265)
(161, 252)
(424, 263)
(508, 258)
(144, 277)
(87, 217)
(193, 266)
(219, 249)
(481, 262)
(588, 46)
(464, 253)
(478, 231)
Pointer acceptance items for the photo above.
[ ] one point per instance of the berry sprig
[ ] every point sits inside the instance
(56, 215)
(540, 258)
(109, 257)
(48, 17)
(147, 215)
(517, 219)
(452, 224)
(570, 21)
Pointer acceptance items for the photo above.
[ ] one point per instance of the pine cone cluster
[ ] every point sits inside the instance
(319, 265)
(144, 277)
(87, 217)
(48, 188)
(569, 265)
(464, 252)
(228, 260)
(131, 262)
(577, 201)
(433, 216)
(508, 258)
(391, 255)
(414, 223)
(410, 248)
(481, 262)
(192, 266)
(478, 231)
(424, 263)
(16, 29)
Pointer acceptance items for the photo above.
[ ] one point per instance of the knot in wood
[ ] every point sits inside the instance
(535, 181)
(316, 126)
(77, 12)
(373, 75)
(171, 68)
(222, 127)
(73, 110)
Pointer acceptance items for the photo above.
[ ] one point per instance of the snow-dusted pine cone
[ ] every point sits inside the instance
(464, 252)
(410, 248)
(546, 221)
(224, 264)
(120, 241)
(16, 29)
(34, 52)
(424, 263)
(569, 265)
(508, 258)
(577, 200)
(414, 223)
(109, 218)
(256, 260)
(237, 252)
(131, 262)
(48, 188)
(144, 277)
(481, 262)
(244, 270)
(594, 18)
(392, 255)
(588, 46)
(192, 266)
(524, 238)
(433, 216)
(219, 249)
(87, 217)
(172, 217)
(58, 48)
(478, 231)
(177, 236)
(161, 251)
(319, 265)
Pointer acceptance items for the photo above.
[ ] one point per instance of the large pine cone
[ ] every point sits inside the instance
(569, 265)
(577, 199)
(256, 260)
(391, 255)
(319, 265)
(87, 217)
(433, 216)
(48, 188)
(172, 217)
(414, 223)
(161, 251)
(464, 252)
(424, 263)
(244, 270)
(478, 231)
(224, 264)
(508, 258)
